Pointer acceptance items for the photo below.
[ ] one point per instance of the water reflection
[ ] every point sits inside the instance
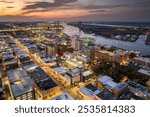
(138, 46)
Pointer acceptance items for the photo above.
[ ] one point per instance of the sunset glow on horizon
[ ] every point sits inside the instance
(102, 10)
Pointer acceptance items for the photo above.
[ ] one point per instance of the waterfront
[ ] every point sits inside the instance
(138, 46)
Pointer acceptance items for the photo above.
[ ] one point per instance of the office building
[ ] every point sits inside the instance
(51, 50)
(73, 76)
(89, 51)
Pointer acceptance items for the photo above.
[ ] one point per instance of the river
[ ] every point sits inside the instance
(138, 46)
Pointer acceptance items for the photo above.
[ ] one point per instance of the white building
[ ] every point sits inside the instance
(105, 82)
(73, 76)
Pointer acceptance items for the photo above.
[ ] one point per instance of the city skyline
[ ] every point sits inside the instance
(49, 10)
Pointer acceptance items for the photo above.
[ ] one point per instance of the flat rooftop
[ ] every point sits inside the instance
(73, 72)
(90, 90)
(143, 71)
(20, 82)
(105, 95)
(64, 96)
(87, 73)
(40, 77)
(60, 70)
(28, 65)
(108, 53)
(120, 86)
(137, 86)
(108, 81)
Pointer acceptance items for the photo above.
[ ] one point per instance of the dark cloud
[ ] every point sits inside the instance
(64, 5)
(55, 4)
(103, 7)
(98, 11)
(111, 10)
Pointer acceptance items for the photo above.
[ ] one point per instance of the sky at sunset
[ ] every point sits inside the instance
(99, 10)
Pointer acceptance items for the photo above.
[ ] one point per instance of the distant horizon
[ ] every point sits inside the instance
(77, 21)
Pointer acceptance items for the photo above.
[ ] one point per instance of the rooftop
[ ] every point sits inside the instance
(60, 70)
(73, 72)
(105, 95)
(90, 90)
(143, 71)
(40, 77)
(64, 96)
(20, 82)
(137, 86)
(120, 86)
(87, 73)
(28, 65)
(108, 81)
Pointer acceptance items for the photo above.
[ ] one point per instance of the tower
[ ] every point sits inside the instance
(51, 50)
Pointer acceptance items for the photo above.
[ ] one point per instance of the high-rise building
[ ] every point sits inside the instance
(73, 41)
(51, 50)
(89, 51)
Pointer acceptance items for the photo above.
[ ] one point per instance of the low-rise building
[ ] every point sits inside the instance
(45, 87)
(22, 57)
(144, 72)
(83, 58)
(73, 76)
(143, 61)
(72, 63)
(105, 95)
(105, 81)
(60, 70)
(20, 85)
(117, 56)
(28, 65)
(120, 88)
(138, 89)
(64, 96)
(86, 75)
(89, 92)
(9, 60)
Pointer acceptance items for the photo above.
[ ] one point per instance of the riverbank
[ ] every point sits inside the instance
(129, 34)
(147, 41)
(137, 46)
